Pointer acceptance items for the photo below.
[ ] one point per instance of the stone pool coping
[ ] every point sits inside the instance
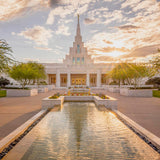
(110, 103)
(5, 142)
(153, 139)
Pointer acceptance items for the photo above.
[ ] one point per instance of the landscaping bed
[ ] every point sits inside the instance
(2, 93)
(156, 93)
(99, 99)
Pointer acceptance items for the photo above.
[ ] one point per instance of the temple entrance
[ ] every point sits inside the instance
(93, 80)
(52, 78)
(78, 79)
(63, 82)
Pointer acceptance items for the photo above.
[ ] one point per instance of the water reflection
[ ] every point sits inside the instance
(80, 131)
(78, 120)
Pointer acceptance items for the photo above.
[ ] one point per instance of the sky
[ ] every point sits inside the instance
(112, 30)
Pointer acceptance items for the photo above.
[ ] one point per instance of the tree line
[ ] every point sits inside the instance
(32, 72)
(24, 73)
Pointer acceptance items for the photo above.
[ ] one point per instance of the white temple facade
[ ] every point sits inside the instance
(77, 68)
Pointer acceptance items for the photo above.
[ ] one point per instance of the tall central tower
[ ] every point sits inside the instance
(78, 54)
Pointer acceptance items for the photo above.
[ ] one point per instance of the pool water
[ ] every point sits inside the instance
(82, 132)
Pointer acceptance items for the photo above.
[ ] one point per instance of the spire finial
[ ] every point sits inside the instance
(78, 26)
(78, 17)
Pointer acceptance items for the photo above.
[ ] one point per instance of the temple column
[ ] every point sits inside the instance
(48, 79)
(58, 79)
(68, 79)
(98, 78)
(87, 80)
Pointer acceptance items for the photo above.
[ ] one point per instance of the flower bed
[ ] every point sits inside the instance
(55, 96)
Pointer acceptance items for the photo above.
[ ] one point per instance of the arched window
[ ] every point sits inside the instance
(78, 48)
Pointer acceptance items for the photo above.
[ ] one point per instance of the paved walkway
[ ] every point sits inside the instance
(144, 111)
(16, 111)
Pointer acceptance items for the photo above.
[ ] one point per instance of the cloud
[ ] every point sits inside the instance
(54, 3)
(61, 11)
(38, 34)
(44, 48)
(129, 3)
(31, 59)
(13, 33)
(62, 29)
(110, 49)
(89, 21)
(10, 9)
(108, 42)
(127, 27)
(103, 58)
(143, 51)
(67, 7)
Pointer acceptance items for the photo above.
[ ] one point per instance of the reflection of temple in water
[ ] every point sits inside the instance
(77, 122)
(77, 68)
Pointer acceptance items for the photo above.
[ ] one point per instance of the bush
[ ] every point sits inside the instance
(156, 93)
(113, 83)
(42, 83)
(4, 82)
(55, 96)
(155, 81)
(2, 93)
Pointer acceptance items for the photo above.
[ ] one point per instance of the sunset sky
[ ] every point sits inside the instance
(43, 30)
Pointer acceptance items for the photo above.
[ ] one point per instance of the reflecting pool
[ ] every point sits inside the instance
(82, 132)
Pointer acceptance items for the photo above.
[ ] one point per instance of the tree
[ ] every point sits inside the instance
(155, 81)
(39, 71)
(131, 73)
(156, 63)
(6, 59)
(27, 73)
(120, 73)
(4, 82)
(139, 71)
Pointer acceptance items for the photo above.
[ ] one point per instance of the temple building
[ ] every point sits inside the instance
(78, 68)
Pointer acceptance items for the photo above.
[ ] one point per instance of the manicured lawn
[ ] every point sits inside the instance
(2, 93)
(156, 93)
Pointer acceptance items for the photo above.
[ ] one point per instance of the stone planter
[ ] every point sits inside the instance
(42, 90)
(21, 92)
(79, 98)
(50, 103)
(136, 92)
(110, 103)
(114, 89)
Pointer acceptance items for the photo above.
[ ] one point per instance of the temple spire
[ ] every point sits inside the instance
(78, 27)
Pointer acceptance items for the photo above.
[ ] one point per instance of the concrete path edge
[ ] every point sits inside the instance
(139, 129)
(20, 130)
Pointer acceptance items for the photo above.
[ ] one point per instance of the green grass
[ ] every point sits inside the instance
(156, 93)
(2, 93)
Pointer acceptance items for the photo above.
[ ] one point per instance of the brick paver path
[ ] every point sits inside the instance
(144, 111)
(14, 111)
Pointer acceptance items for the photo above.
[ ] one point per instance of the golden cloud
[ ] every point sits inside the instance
(38, 34)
